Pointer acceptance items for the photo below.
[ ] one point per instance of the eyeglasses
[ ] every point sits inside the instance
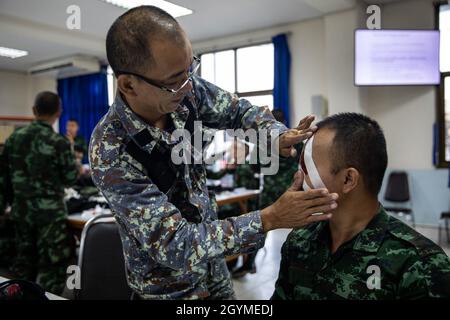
(193, 68)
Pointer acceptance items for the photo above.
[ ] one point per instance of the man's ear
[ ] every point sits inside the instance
(126, 85)
(35, 112)
(351, 180)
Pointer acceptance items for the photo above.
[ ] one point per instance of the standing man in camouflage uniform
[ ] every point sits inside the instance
(40, 164)
(174, 244)
(7, 247)
(361, 253)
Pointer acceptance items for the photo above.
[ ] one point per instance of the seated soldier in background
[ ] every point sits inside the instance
(77, 141)
(361, 253)
(275, 185)
(243, 174)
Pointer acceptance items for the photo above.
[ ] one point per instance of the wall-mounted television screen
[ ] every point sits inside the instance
(396, 57)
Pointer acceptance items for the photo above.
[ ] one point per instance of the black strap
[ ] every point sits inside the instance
(160, 168)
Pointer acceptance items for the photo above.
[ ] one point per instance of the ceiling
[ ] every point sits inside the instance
(39, 26)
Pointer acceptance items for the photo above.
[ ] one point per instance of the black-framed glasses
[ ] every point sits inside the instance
(193, 68)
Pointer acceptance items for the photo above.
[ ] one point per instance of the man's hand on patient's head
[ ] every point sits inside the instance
(294, 136)
(305, 124)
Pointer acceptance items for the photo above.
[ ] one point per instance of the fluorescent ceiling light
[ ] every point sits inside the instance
(12, 53)
(173, 9)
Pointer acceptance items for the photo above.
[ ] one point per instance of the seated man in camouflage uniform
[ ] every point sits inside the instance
(361, 252)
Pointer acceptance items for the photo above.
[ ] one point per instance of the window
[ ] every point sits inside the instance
(247, 72)
(444, 90)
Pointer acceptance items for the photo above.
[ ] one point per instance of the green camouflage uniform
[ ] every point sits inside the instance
(80, 144)
(40, 163)
(174, 245)
(244, 177)
(276, 185)
(410, 265)
(6, 229)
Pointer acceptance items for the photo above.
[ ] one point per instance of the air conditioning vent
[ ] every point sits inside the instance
(67, 67)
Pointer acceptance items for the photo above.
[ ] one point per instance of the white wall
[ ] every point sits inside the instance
(406, 114)
(18, 90)
(322, 63)
(307, 47)
(341, 93)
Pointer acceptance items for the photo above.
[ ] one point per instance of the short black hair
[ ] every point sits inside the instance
(128, 42)
(278, 115)
(47, 103)
(359, 142)
(73, 120)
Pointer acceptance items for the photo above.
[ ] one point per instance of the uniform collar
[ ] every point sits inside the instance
(372, 236)
(145, 135)
(368, 240)
(43, 123)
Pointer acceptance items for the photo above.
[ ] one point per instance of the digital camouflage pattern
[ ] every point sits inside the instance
(411, 266)
(173, 243)
(40, 164)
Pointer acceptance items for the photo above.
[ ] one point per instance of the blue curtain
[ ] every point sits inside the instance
(282, 75)
(84, 98)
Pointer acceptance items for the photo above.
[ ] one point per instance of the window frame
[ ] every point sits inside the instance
(442, 135)
(235, 49)
(441, 162)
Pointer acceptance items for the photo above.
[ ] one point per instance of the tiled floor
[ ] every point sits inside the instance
(261, 284)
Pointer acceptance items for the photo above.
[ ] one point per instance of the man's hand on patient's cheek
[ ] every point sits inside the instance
(295, 208)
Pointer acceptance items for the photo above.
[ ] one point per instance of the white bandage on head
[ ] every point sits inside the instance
(311, 169)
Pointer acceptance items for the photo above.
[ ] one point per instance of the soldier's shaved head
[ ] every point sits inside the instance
(130, 39)
(359, 143)
(47, 103)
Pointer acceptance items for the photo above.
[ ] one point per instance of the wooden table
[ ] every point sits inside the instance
(240, 196)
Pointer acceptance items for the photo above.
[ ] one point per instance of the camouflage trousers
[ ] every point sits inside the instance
(42, 242)
(7, 247)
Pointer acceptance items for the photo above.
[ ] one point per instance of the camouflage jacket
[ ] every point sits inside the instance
(79, 144)
(172, 242)
(276, 185)
(407, 265)
(40, 162)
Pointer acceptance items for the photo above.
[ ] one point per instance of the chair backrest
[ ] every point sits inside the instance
(101, 262)
(397, 189)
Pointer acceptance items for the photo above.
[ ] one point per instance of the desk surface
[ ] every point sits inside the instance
(237, 194)
(49, 295)
(78, 220)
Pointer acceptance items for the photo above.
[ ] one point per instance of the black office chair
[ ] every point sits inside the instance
(398, 192)
(101, 262)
